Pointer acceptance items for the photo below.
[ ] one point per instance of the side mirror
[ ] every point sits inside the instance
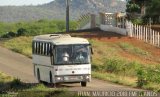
(92, 51)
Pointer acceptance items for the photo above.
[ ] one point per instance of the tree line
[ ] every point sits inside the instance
(145, 9)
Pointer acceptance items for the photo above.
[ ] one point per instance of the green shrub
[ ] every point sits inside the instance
(15, 83)
(114, 65)
(9, 35)
(121, 67)
(137, 21)
(97, 67)
(148, 75)
(142, 77)
(21, 32)
(153, 75)
(132, 68)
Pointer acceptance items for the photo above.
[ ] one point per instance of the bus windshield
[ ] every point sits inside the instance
(72, 54)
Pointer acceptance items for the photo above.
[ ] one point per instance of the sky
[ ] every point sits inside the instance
(23, 2)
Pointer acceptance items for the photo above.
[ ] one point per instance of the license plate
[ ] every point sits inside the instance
(73, 78)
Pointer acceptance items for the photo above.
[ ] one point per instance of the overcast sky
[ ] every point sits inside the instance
(23, 2)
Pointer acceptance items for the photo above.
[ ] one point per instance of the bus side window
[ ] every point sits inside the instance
(48, 49)
(44, 45)
(34, 48)
(39, 48)
(42, 48)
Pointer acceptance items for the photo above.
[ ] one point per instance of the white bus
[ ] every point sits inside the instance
(60, 58)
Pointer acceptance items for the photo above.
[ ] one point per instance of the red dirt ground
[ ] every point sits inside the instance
(114, 38)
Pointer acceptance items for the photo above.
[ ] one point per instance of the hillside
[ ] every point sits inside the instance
(56, 10)
(126, 48)
(119, 59)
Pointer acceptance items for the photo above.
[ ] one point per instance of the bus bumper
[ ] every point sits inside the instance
(73, 78)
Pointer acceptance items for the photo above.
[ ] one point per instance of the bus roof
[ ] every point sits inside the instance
(60, 39)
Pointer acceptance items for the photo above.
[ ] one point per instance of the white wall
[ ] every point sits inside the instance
(110, 28)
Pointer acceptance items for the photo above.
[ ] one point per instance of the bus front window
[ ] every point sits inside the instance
(80, 54)
(72, 54)
(63, 54)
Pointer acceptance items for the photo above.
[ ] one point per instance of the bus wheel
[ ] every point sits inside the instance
(38, 76)
(50, 75)
(83, 84)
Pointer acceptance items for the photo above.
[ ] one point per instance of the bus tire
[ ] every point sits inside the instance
(38, 76)
(50, 76)
(83, 84)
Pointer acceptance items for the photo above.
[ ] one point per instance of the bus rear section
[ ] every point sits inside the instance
(62, 59)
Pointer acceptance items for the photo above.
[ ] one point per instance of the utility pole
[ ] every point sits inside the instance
(67, 15)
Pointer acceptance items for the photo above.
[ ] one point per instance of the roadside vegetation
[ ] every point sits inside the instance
(20, 45)
(12, 87)
(109, 65)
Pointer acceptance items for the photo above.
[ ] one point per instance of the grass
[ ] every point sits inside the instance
(4, 77)
(101, 50)
(152, 86)
(21, 45)
(131, 49)
(11, 87)
(129, 81)
(107, 63)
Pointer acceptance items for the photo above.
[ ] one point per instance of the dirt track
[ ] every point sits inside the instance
(21, 67)
(16, 65)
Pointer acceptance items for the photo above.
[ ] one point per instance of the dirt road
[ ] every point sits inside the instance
(21, 67)
(16, 65)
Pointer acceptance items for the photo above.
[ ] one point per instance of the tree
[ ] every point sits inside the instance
(132, 7)
(138, 6)
(132, 10)
(154, 8)
(153, 11)
(147, 8)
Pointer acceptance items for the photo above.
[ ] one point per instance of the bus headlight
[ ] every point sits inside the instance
(87, 77)
(59, 78)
